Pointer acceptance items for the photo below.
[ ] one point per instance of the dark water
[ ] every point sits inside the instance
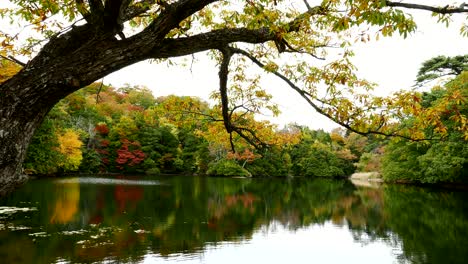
(218, 220)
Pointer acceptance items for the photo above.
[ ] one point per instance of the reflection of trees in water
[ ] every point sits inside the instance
(433, 225)
(430, 226)
(188, 213)
(66, 203)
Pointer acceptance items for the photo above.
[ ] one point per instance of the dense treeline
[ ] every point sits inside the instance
(101, 129)
(442, 158)
(440, 119)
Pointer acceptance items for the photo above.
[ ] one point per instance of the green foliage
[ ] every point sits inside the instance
(314, 157)
(42, 156)
(369, 162)
(319, 163)
(401, 161)
(441, 66)
(445, 162)
(227, 168)
(273, 163)
(91, 161)
(438, 162)
(445, 158)
(151, 167)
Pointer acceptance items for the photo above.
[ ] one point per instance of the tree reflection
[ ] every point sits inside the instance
(67, 201)
(184, 214)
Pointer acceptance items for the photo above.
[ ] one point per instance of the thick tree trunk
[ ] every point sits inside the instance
(24, 106)
(15, 135)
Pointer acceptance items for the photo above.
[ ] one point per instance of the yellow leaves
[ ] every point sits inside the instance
(126, 128)
(7, 70)
(271, 67)
(342, 24)
(70, 146)
(337, 137)
(457, 98)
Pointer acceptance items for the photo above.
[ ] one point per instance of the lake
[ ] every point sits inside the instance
(182, 219)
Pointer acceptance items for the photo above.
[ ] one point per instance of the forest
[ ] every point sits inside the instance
(104, 129)
(122, 174)
(52, 49)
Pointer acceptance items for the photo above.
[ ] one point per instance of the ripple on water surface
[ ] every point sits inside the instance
(107, 181)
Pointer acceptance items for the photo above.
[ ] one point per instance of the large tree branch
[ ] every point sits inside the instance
(172, 15)
(215, 39)
(463, 8)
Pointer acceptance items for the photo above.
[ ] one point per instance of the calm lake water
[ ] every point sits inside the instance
(227, 220)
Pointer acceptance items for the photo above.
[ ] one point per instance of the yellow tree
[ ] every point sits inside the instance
(70, 147)
(76, 42)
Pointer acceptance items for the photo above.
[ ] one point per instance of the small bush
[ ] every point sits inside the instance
(227, 168)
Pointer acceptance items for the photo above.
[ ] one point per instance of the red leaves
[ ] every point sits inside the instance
(102, 129)
(129, 154)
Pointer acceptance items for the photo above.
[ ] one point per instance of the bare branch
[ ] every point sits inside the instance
(223, 78)
(99, 91)
(13, 59)
(256, 142)
(173, 14)
(294, 50)
(307, 5)
(463, 8)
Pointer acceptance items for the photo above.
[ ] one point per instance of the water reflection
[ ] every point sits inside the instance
(217, 220)
(66, 203)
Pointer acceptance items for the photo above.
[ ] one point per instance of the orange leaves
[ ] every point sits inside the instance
(247, 155)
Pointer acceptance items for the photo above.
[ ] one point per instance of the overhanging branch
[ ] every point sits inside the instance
(463, 8)
(307, 97)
